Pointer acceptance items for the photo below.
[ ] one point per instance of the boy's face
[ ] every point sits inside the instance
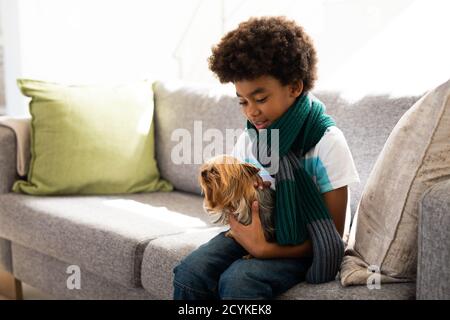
(265, 99)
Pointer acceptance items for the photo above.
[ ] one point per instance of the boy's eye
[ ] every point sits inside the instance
(261, 100)
(243, 103)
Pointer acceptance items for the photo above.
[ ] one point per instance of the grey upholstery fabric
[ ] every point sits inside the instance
(105, 235)
(209, 109)
(8, 174)
(334, 291)
(5, 255)
(366, 125)
(433, 277)
(50, 275)
(161, 256)
(124, 242)
(8, 171)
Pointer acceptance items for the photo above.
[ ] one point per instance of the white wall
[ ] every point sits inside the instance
(89, 41)
(371, 46)
(15, 103)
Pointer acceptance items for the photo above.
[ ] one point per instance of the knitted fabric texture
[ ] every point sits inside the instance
(300, 211)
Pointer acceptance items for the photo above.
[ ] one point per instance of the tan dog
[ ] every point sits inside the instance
(229, 188)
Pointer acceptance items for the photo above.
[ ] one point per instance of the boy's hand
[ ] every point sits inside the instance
(251, 237)
(260, 183)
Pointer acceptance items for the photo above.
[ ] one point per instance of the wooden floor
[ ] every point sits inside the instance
(30, 293)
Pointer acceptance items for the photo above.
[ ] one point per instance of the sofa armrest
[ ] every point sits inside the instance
(5, 255)
(8, 164)
(433, 274)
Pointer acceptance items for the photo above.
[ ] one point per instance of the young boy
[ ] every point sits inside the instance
(272, 63)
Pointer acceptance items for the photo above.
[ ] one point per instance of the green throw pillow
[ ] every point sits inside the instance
(91, 139)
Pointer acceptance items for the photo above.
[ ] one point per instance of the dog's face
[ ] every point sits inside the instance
(228, 186)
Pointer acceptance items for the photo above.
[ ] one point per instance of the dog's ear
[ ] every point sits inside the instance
(250, 169)
(204, 180)
(204, 175)
(208, 183)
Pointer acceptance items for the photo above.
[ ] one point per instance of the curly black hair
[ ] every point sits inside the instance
(262, 46)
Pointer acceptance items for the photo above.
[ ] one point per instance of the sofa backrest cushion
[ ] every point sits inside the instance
(366, 124)
(188, 119)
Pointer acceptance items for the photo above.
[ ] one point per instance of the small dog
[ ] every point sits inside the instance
(228, 187)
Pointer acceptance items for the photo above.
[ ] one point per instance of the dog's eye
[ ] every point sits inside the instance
(205, 174)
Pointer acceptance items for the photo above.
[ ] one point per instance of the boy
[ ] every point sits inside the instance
(272, 63)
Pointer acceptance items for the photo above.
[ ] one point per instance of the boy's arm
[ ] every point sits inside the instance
(274, 250)
(251, 237)
(336, 202)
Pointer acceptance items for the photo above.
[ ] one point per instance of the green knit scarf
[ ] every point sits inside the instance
(300, 212)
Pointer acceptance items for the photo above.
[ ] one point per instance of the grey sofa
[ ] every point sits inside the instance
(127, 245)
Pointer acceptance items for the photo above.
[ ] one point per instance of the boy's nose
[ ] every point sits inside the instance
(254, 111)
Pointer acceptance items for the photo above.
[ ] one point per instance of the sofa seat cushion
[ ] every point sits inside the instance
(105, 235)
(164, 253)
(50, 275)
(335, 291)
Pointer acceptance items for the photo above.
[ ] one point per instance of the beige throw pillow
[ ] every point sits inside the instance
(415, 157)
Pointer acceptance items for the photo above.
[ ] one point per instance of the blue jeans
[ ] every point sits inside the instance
(216, 270)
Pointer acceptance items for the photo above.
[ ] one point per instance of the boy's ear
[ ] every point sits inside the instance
(296, 88)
